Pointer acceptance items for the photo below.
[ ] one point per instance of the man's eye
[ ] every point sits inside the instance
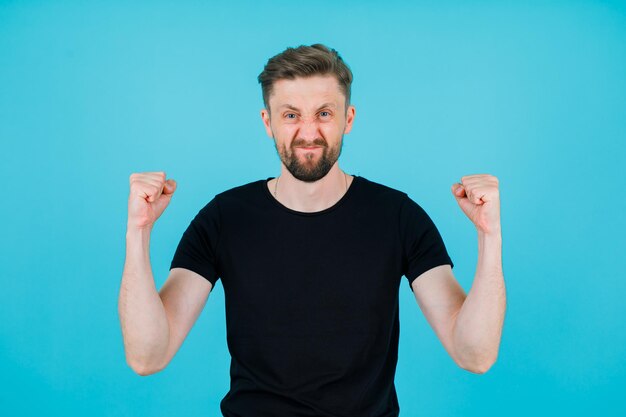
(324, 114)
(290, 116)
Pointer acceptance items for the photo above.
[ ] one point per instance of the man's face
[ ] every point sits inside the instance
(308, 120)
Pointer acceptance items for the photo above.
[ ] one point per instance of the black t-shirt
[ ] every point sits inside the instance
(311, 298)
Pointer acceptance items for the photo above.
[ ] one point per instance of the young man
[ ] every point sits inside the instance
(311, 263)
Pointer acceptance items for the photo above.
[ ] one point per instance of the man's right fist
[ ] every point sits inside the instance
(149, 195)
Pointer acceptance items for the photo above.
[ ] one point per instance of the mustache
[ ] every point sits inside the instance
(302, 142)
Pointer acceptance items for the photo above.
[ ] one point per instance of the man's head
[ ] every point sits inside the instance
(305, 61)
(306, 92)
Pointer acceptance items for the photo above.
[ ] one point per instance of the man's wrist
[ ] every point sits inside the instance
(490, 251)
(138, 233)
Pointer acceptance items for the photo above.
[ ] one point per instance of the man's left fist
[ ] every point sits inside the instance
(479, 198)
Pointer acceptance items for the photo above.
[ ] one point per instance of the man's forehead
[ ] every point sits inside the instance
(309, 91)
(294, 107)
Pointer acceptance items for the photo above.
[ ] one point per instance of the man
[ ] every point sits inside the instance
(311, 263)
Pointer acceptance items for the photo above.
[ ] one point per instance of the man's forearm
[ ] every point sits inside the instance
(478, 326)
(143, 318)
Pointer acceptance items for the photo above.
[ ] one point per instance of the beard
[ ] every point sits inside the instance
(309, 167)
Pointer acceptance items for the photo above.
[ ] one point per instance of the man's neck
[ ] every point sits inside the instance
(310, 196)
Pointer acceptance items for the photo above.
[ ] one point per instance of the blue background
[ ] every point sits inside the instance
(532, 92)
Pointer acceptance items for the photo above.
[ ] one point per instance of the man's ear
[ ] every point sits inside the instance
(350, 113)
(265, 115)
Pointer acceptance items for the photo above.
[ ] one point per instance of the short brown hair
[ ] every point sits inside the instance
(305, 61)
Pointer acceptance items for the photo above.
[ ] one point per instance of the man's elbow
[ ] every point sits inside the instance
(143, 369)
(478, 365)
(478, 369)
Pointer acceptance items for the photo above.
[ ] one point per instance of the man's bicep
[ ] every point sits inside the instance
(440, 298)
(184, 295)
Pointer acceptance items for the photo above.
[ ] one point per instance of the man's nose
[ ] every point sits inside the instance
(309, 130)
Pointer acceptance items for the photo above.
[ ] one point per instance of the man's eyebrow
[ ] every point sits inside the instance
(290, 107)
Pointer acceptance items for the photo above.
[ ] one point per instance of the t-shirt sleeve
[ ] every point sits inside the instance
(197, 249)
(423, 245)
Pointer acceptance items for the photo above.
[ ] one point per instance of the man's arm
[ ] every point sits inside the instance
(145, 329)
(469, 326)
(184, 295)
(155, 324)
(478, 327)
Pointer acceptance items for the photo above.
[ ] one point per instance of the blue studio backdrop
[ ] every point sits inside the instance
(531, 92)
